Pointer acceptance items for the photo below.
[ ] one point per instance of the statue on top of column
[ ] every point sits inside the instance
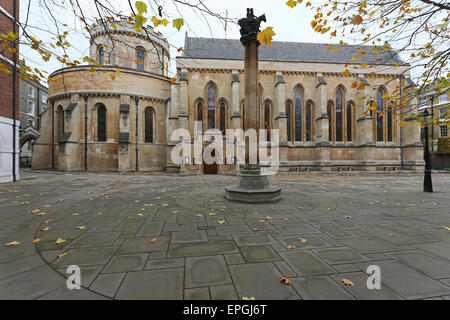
(251, 23)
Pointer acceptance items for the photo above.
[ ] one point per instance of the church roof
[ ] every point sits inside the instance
(231, 49)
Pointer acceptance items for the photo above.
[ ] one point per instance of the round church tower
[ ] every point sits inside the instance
(111, 115)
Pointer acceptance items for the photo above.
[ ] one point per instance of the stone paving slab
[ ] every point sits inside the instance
(360, 289)
(306, 263)
(262, 281)
(320, 288)
(206, 271)
(408, 282)
(164, 284)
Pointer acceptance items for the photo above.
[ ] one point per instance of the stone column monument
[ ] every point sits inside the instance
(253, 187)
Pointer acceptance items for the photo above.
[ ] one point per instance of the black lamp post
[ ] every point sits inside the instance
(427, 183)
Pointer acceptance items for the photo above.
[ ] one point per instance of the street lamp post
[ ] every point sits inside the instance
(427, 182)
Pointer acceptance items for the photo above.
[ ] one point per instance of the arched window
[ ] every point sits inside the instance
(222, 117)
(200, 116)
(211, 107)
(289, 121)
(380, 108)
(149, 125)
(101, 55)
(267, 120)
(349, 122)
(60, 122)
(140, 58)
(101, 123)
(330, 121)
(259, 105)
(298, 114)
(389, 124)
(339, 98)
(308, 122)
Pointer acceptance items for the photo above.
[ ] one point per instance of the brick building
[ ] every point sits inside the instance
(33, 102)
(9, 93)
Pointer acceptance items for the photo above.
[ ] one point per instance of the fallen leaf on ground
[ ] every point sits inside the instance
(60, 200)
(81, 227)
(34, 211)
(348, 217)
(268, 217)
(181, 224)
(212, 214)
(248, 298)
(302, 240)
(221, 221)
(140, 214)
(99, 213)
(48, 221)
(392, 234)
(286, 281)
(291, 246)
(255, 229)
(45, 229)
(41, 213)
(176, 211)
(60, 240)
(165, 205)
(62, 255)
(37, 240)
(347, 282)
(153, 240)
(12, 243)
(199, 215)
(75, 214)
(446, 228)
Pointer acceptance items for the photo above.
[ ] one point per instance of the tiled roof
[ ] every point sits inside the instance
(227, 49)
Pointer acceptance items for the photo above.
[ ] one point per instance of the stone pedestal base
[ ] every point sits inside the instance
(253, 187)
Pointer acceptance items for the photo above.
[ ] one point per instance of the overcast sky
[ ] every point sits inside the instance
(289, 25)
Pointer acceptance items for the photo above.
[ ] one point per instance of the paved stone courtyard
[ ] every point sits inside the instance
(172, 237)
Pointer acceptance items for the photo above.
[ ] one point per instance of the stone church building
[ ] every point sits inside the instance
(98, 123)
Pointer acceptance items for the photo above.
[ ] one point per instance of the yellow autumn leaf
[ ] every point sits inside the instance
(81, 227)
(248, 298)
(291, 246)
(347, 282)
(60, 240)
(178, 23)
(302, 240)
(112, 76)
(346, 73)
(291, 3)
(62, 255)
(12, 243)
(446, 228)
(155, 21)
(153, 240)
(286, 280)
(45, 229)
(221, 221)
(37, 240)
(265, 36)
